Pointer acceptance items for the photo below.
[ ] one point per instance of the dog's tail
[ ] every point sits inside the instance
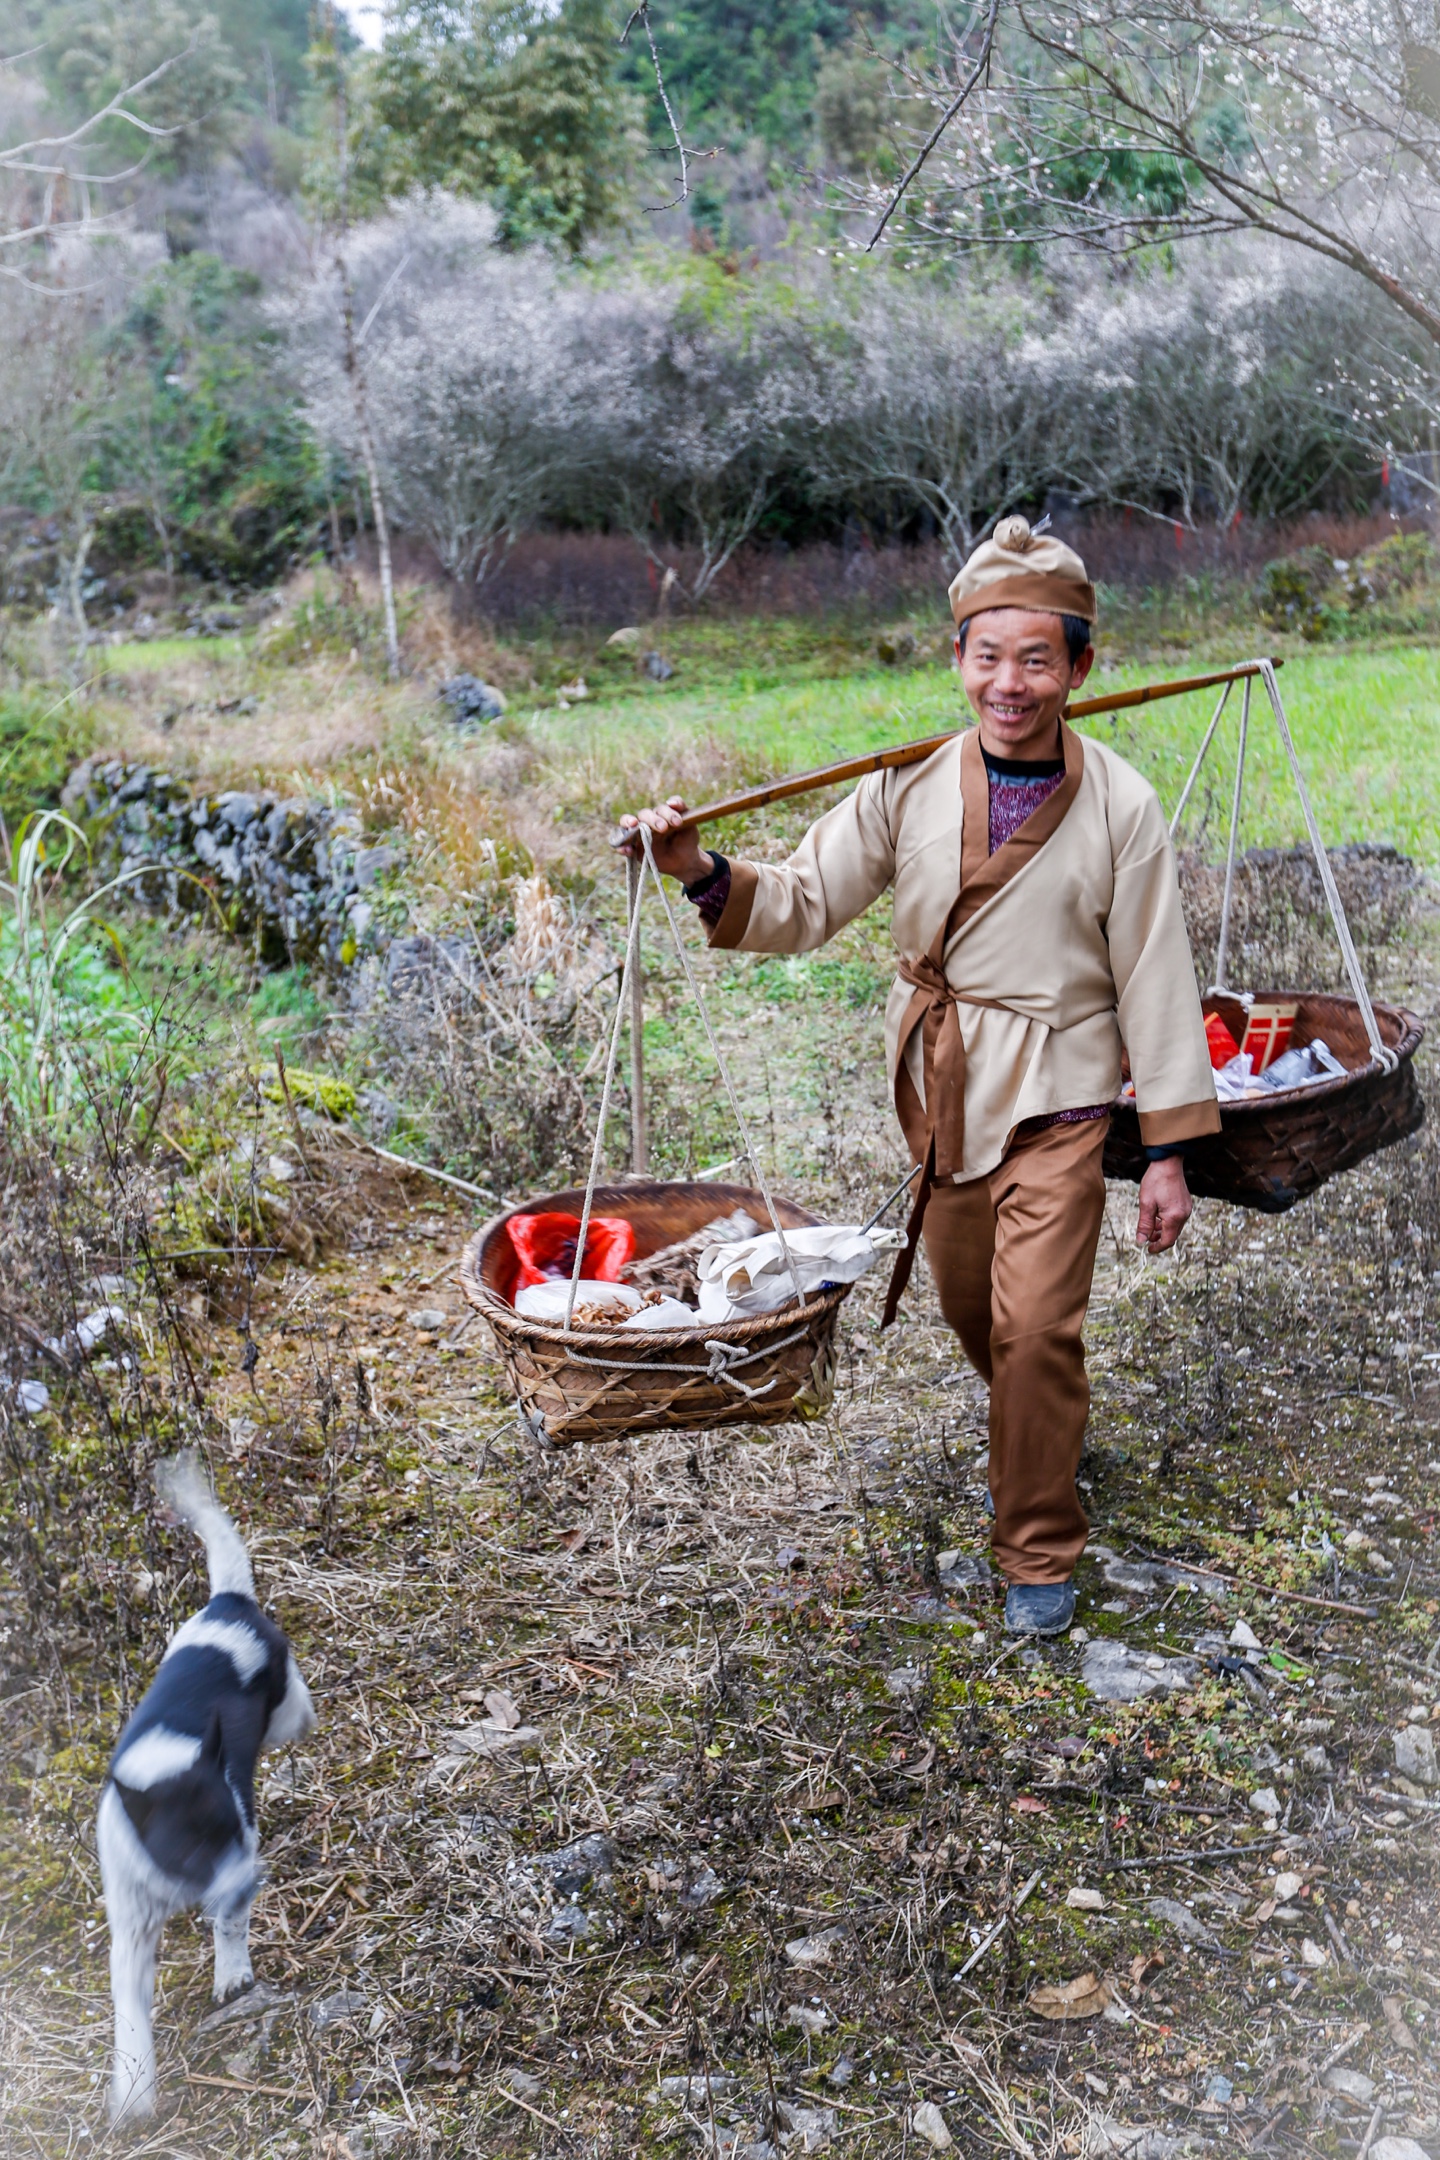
(183, 1485)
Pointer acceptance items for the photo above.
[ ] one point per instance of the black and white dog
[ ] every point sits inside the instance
(177, 1816)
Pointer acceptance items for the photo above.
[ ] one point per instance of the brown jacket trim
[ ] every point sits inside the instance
(1189, 1121)
(735, 918)
(975, 809)
(1029, 589)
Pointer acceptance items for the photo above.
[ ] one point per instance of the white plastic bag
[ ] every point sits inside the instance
(666, 1312)
(751, 1275)
(548, 1300)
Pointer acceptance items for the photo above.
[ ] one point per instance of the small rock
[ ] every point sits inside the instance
(810, 2022)
(336, 2008)
(93, 1329)
(253, 2003)
(1397, 2148)
(1415, 1755)
(521, 2083)
(471, 701)
(1116, 1673)
(903, 1682)
(1316, 1761)
(428, 1320)
(1265, 1801)
(626, 640)
(818, 1949)
(1312, 1955)
(927, 2122)
(1243, 1636)
(1288, 1886)
(1186, 1924)
(702, 1891)
(489, 1737)
(1106, 2138)
(1141, 1576)
(841, 2073)
(963, 1571)
(32, 1396)
(805, 2129)
(1350, 2084)
(1219, 2091)
(1083, 1900)
(656, 666)
(573, 1866)
(570, 1924)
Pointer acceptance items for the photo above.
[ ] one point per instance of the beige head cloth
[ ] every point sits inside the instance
(1019, 568)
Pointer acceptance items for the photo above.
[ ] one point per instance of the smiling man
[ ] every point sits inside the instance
(1037, 915)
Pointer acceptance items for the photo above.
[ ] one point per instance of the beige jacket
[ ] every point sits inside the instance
(1065, 945)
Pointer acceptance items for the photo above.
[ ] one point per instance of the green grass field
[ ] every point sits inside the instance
(1367, 726)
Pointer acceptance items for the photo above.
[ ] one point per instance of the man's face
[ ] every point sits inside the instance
(1018, 673)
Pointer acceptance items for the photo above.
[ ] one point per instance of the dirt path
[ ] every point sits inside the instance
(666, 1800)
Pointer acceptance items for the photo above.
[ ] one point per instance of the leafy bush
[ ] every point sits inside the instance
(201, 440)
(39, 744)
(1291, 593)
(63, 1007)
(1398, 564)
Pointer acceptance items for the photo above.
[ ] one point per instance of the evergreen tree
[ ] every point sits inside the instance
(502, 99)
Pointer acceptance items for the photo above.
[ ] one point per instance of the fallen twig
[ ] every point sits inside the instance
(407, 1162)
(229, 2084)
(999, 1927)
(1375, 2121)
(1292, 1597)
(1401, 1799)
(1178, 1859)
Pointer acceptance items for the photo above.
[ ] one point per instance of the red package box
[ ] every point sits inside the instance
(545, 1247)
(1268, 1028)
(1223, 1045)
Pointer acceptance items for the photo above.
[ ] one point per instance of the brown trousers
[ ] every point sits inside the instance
(1013, 1255)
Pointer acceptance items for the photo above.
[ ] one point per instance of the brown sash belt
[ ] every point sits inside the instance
(936, 1133)
(936, 1129)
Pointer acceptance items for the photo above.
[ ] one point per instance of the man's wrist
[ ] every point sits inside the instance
(718, 868)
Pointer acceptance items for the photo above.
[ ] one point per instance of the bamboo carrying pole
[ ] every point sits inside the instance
(911, 753)
(832, 776)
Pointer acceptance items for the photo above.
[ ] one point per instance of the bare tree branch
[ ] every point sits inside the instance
(117, 109)
(642, 15)
(987, 45)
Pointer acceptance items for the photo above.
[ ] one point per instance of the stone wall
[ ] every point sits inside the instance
(294, 878)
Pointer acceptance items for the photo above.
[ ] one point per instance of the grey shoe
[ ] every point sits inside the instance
(1039, 1608)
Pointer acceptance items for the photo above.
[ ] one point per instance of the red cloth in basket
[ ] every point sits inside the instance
(545, 1247)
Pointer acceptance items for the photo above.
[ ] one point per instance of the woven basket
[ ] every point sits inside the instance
(1271, 1152)
(604, 1383)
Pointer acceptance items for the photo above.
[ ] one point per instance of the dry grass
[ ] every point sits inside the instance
(739, 1673)
(739, 1666)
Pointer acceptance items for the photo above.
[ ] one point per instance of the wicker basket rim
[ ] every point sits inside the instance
(1324, 1090)
(499, 1314)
